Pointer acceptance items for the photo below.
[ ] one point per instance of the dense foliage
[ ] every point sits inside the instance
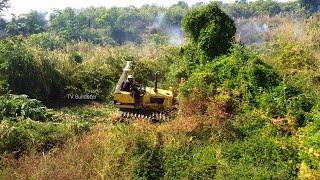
(311, 6)
(210, 29)
(3, 4)
(117, 26)
(114, 26)
(25, 74)
(14, 106)
(242, 73)
(27, 124)
(245, 111)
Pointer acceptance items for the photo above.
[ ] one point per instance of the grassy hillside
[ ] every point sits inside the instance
(245, 111)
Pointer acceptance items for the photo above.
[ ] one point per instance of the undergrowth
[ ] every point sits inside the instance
(242, 114)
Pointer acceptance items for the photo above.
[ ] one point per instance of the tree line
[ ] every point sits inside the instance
(117, 26)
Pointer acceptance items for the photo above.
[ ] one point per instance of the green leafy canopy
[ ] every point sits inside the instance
(211, 29)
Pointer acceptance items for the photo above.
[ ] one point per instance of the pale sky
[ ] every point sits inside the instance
(24, 6)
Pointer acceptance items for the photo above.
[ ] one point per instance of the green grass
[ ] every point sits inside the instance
(92, 113)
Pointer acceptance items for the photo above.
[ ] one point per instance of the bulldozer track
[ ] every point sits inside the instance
(147, 115)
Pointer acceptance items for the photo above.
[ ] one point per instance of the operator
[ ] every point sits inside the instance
(129, 86)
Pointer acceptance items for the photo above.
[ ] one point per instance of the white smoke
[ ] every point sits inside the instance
(158, 20)
(252, 33)
(174, 33)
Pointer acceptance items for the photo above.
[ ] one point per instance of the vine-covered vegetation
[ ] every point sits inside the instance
(248, 104)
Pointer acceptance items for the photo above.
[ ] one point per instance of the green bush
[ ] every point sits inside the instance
(211, 29)
(183, 64)
(91, 79)
(274, 102)
(310, 142)
(241, 73)
(149, 157)
(186, 162)
(248, 122)
(177, 160)
(287, 100)
(75, 57)
(24, 74)
(19, 69)
(20, 135)
(259, 156)
(294, 56)
(3, 87)
(146, 153)
(158, 39)
(20, 106)
(27, 124)
(46, 40)
(144, 72)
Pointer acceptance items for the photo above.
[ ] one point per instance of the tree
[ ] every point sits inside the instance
(173, 16)
(266, 7)
(64, 23)
(311, 6)
(240, 8)
(181, 4)
(211, 29)
(3, 24)
(3, 4)
(27, 24)
(290, 7)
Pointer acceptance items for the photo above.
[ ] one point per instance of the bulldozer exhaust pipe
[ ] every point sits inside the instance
(156, 82)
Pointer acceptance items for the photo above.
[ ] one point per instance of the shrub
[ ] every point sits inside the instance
(259, 156)
(15, 106)
(46, 40)
(211, 29)
(91, 79)
(75, 57)
(293, 56)
(144, 72)
(149, 163)
(20, 68)
(158, 39)
(27, 124)
(309, 140)
(25, 74)
(286, 100)
(241, 73)
(248, 123)
(22, 135)
(177, 160)
(186, 162)
(184, 63)
(3, 87)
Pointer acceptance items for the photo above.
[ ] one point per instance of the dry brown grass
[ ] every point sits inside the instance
(62, 165)
(89, 157)
(203, 118)
(106, 152)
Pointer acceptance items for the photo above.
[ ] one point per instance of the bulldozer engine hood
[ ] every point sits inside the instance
(160, 92)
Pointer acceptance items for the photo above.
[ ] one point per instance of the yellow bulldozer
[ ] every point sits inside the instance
(148, 103)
